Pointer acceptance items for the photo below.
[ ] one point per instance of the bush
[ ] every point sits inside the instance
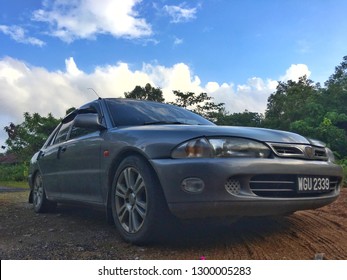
(17, 172)
(343, 163)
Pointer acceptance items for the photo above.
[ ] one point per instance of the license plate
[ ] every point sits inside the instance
(311, 184)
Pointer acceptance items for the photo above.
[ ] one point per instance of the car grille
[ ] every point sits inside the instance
(283, 186)
(299, 151)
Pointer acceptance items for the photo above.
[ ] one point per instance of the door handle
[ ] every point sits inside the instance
(60, 150)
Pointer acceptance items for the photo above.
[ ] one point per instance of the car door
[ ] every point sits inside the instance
(49, 163)
(79, 161)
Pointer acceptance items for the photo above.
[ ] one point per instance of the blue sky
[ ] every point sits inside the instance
(52, 51)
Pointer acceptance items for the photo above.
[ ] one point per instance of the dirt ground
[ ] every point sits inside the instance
(81, 233)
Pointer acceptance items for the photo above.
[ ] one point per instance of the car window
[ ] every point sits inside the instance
(79, 132)
(51, 138)
(62, 133)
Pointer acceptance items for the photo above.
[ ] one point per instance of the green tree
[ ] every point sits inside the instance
(27, 138)
(291, 102)
(335, 137)
(201, 104)
(146, 93)
(335, 94)
(245, 118)
(333, 127)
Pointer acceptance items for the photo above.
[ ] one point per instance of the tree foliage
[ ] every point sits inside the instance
(292, 101)
(245, 118)
(146, 93)
(201, 104)
(27, 138)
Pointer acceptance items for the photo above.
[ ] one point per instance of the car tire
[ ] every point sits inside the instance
(138, 205)
(40, 201)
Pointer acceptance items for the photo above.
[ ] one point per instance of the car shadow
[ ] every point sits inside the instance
(204, 233)
(186, 234)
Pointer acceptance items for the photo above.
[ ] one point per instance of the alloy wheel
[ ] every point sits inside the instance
(131, 200)
(38, 192)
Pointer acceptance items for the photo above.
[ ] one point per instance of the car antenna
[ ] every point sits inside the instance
(95, 93)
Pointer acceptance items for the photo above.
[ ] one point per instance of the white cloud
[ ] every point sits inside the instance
(18, 34)
(177, 77)
(251, 96)
(295, 71)
(180, 13)
(85, 19)
(178, 41)
(71, 67)
(35, 89)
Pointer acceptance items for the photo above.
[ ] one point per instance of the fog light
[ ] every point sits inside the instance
(193, 185)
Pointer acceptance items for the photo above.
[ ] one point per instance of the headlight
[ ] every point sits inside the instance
(221, 148)
(330, 155)
(239, 147)
(197, 148)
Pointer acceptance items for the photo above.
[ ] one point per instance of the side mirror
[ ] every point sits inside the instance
(89, 120)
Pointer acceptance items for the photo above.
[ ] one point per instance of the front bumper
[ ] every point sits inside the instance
(214, 200)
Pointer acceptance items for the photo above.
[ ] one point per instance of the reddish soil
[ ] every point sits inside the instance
(82, 233)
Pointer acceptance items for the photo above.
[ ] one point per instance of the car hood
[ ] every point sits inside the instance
(192, 131)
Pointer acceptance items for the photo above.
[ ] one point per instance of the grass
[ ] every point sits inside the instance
(14, 184)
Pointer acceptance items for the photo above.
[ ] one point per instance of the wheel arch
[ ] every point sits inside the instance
(113, 169)
(31, 180)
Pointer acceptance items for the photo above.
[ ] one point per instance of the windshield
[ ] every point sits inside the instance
(128, 112)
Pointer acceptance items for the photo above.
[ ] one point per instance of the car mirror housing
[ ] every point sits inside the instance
(90, 121)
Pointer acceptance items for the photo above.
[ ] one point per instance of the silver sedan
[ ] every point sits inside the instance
(144, 162)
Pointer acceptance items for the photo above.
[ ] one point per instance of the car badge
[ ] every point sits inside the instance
(309, 152)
